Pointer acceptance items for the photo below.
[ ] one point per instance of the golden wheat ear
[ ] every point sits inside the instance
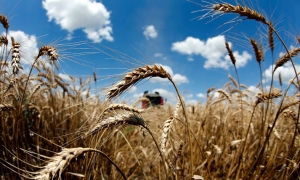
(124, 118)
(257, 51)
(240, 10)
(261, 97)
(4, 22)
(286, 57)
(134, 77)
(58, 163)
(15, 56)
(165, 134)
(3, 40)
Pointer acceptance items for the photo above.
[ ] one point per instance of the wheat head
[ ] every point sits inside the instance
(134, 77)
(119, 119)
(242, 11)
(286, 57)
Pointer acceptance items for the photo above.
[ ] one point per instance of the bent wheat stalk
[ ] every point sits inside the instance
(58, 163)
(139, 74)
(242, 11)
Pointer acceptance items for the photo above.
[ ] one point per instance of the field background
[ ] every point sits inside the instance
(53, 127)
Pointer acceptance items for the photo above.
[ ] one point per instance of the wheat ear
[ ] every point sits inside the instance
(124, 118)
(15, 57)
(262, 96)
(165, 134)
(224, 94)
(58, 163)
(298, 39)
(210, 90)
(242, 11)
(257, 51)
(134, 77)
(271, 37)
(6, 107)
(286, 57)
(50, 51)
(4, 22)
(139, 74)
(113, 107)
(3, 40)
(233, 81)
(230, 53)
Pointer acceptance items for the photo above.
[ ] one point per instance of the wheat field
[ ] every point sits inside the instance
(50, 130)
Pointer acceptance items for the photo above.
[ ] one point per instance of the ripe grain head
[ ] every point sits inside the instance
(134, 77)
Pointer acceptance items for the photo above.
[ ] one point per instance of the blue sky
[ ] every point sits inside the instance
(150, 31)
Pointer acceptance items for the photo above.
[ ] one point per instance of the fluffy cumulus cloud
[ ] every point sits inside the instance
(213, 50)
(65, 77)
(286, 71)
(200, 95)
(160, 55)
(177, 78)
(89, 15)
(150, 32)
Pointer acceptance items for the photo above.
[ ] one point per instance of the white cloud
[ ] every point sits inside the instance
(89, 15)
(65, 77)
(150, 32)
(190, 46)
(190, 59)
(191, 101)
(189, 96)
(200, 95)
(160, 55)
(286, 71)
(213, 50)
(177, 78)
(254, 89)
